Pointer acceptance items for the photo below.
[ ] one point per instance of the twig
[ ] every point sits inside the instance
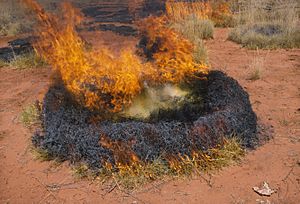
(110, 190)
(129, 194)
(289, 173)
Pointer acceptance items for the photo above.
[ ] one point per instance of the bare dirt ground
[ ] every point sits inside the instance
(275, 98)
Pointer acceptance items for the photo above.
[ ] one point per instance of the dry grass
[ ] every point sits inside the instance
(14, 18)
(2, 63)
(217, 11)
(257, 66)
(194, 28)
(178, 11)
(267, 24)
(137, 174)
(40, 154)
(30, 115)
(27, 61)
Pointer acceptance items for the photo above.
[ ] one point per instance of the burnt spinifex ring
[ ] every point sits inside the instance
(69, 133)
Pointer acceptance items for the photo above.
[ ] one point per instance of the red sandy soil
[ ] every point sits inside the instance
(275, 98)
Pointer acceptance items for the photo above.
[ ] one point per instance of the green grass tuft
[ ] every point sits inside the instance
(30, 115)
(40, 154)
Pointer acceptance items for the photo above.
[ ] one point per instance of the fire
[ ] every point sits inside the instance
(217, 11)
(96, 78)
(172, 54)
(177, 11)
(122, 151)
(99, 79)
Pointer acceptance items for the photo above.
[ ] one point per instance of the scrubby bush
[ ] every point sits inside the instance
(267, 24)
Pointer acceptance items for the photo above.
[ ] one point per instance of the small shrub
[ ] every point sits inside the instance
(200, 53)
(194, 28)
(30, 115)
(30, 60)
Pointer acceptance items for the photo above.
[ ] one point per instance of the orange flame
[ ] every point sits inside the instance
(217, 11)
(122, 151)
(98, 79)
(174, 55)
(177, 10)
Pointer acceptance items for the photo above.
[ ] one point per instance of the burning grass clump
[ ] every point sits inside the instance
(219, 12)
(137, 118)
(138, 174)
(267, 24)
(75, 133)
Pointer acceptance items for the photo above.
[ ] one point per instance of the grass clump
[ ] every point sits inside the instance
(194, 28)
(30, 115)
(2, 63)
(255, 75)
(267, 24)
(218, 11)
(256, 67)
(30, 60)
(40, 154)
(14, 18)
(177, 166)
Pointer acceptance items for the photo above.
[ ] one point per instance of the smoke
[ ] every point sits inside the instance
(152, 100)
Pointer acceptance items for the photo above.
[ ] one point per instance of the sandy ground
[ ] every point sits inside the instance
(275, 98)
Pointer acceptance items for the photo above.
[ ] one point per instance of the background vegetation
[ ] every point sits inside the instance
(266, 24)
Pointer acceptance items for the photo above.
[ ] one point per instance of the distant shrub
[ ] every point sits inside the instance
(267, 24)
(194, 28)
(14, 18)
(218, 11)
